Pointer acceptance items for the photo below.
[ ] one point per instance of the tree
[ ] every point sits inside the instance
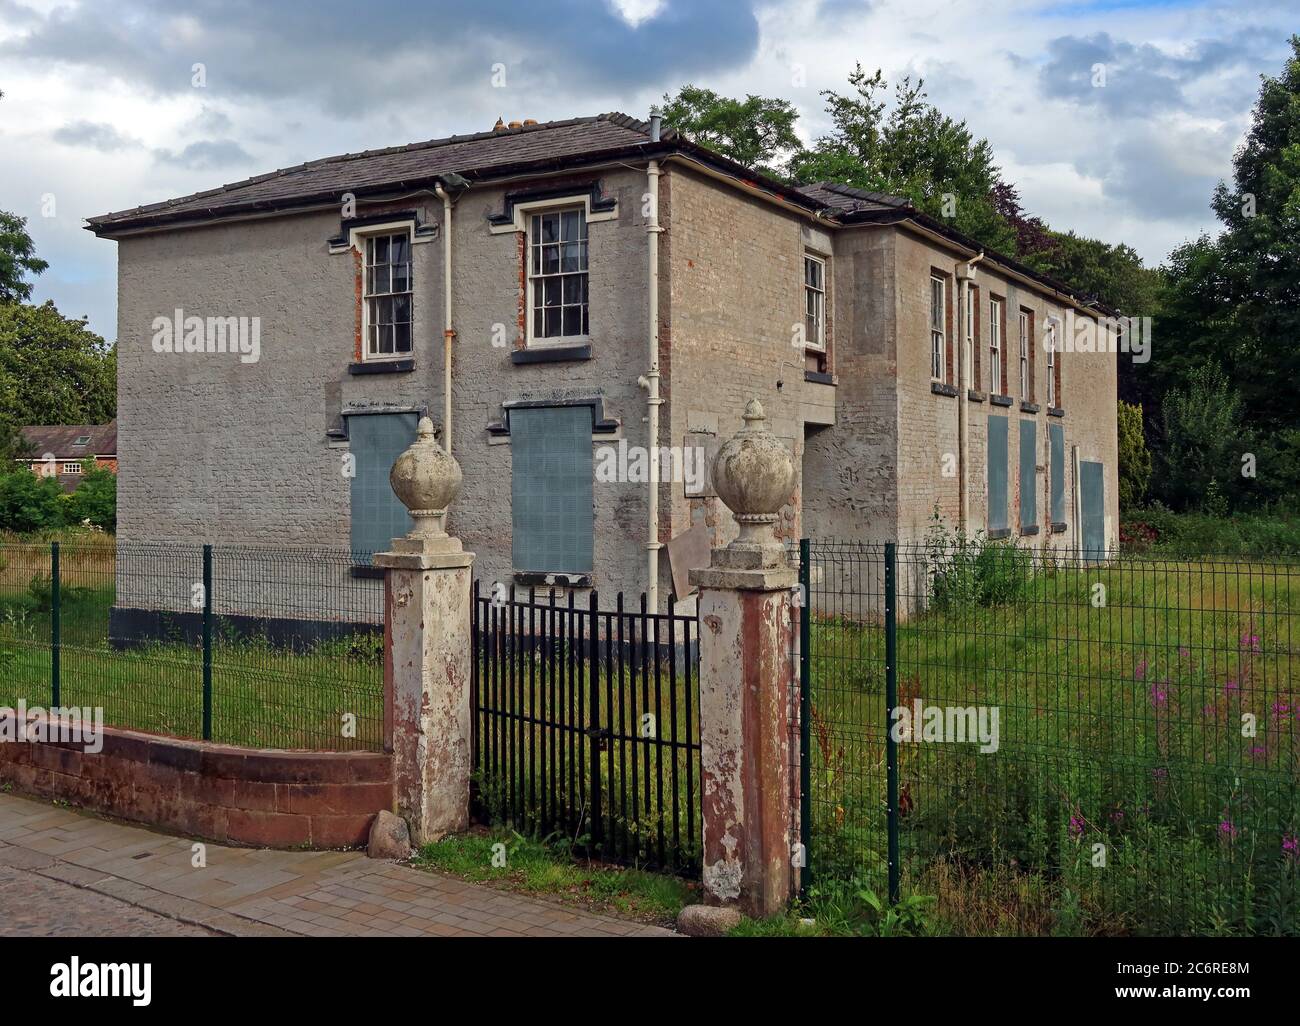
(909, 149)
(1204, 438)
(756, 132)
(1134, 459)
(27, 502)
(52, 369)
(1235, 299)
(17, 258)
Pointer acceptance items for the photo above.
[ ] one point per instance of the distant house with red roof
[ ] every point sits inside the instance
(67, 451)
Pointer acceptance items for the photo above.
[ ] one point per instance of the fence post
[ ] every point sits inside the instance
(594, 732)
(207, 642)
(427, 647)
(55, 626)
(805, 712)
(891, 703)
(746, 600)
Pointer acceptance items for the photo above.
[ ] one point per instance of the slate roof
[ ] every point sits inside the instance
(846, 199)
(482, 153)
(60, 439)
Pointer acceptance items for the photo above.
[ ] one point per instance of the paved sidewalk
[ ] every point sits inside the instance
(68, 873)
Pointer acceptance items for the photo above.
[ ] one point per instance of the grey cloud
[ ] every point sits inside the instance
(207, 154)
(351, 59)
(97, 135)
(1141, 79)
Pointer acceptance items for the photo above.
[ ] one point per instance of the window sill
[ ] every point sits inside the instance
(818, 378)
(1058, 529)
(939, 388)
(1001, 400)
(975, 395)
(1032, 529)
(534, 577)
(1055, 411)
(551, 354)
(1029, 407)
(999, 532)
(403, 366)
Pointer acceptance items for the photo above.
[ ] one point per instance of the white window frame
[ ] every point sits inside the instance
(818, 343)
(995, 346)
(1025, 393)
(361, 242)
(939, 332)
(531, 339)
(1051, 364)
(72, 467)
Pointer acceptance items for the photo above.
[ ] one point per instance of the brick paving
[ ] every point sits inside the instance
(69, 873)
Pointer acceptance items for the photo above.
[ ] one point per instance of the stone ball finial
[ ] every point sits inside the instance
(427, 479)
(754, 475)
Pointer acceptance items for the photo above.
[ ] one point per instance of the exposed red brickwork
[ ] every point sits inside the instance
(360, 294)
(521, 241)
(231, 795)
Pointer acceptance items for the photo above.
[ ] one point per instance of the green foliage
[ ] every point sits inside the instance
(1134, 459)
(1113, 273)
(1203, 434)
(17, 258)
(52, 369)
(909, 148)
(29, 503)
(95, 500)
(755, 132)
(973, 572)
(1197, 534)
(1234, 300)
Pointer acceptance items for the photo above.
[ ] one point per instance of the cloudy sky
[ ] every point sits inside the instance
(102, 109)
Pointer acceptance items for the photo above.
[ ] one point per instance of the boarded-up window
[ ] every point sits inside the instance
(997, 474)
(1028, 474)
(375, 440)
(551, 489)
(1056, 437)
(1092, 501)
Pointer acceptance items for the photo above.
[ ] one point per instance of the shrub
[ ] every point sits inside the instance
(967, 572)
(95, 500)
(29, 503)
(1134, 459)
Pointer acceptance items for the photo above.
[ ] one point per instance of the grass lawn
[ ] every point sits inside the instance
(1146, 773)
(533, 867)
(329, 697)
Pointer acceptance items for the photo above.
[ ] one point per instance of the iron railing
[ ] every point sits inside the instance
(586, 724)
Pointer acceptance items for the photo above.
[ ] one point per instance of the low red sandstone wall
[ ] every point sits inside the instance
(246, 796)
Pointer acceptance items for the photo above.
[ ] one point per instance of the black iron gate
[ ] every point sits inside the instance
(586, 724)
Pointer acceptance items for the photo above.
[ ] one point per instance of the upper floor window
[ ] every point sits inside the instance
(1051, 363)
(557, 275)
(72, 468)
(995, 345)
(1025, 379)
(937, 327)
(969, 318)
(814, 292)
(389, 295)
(82, 440)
